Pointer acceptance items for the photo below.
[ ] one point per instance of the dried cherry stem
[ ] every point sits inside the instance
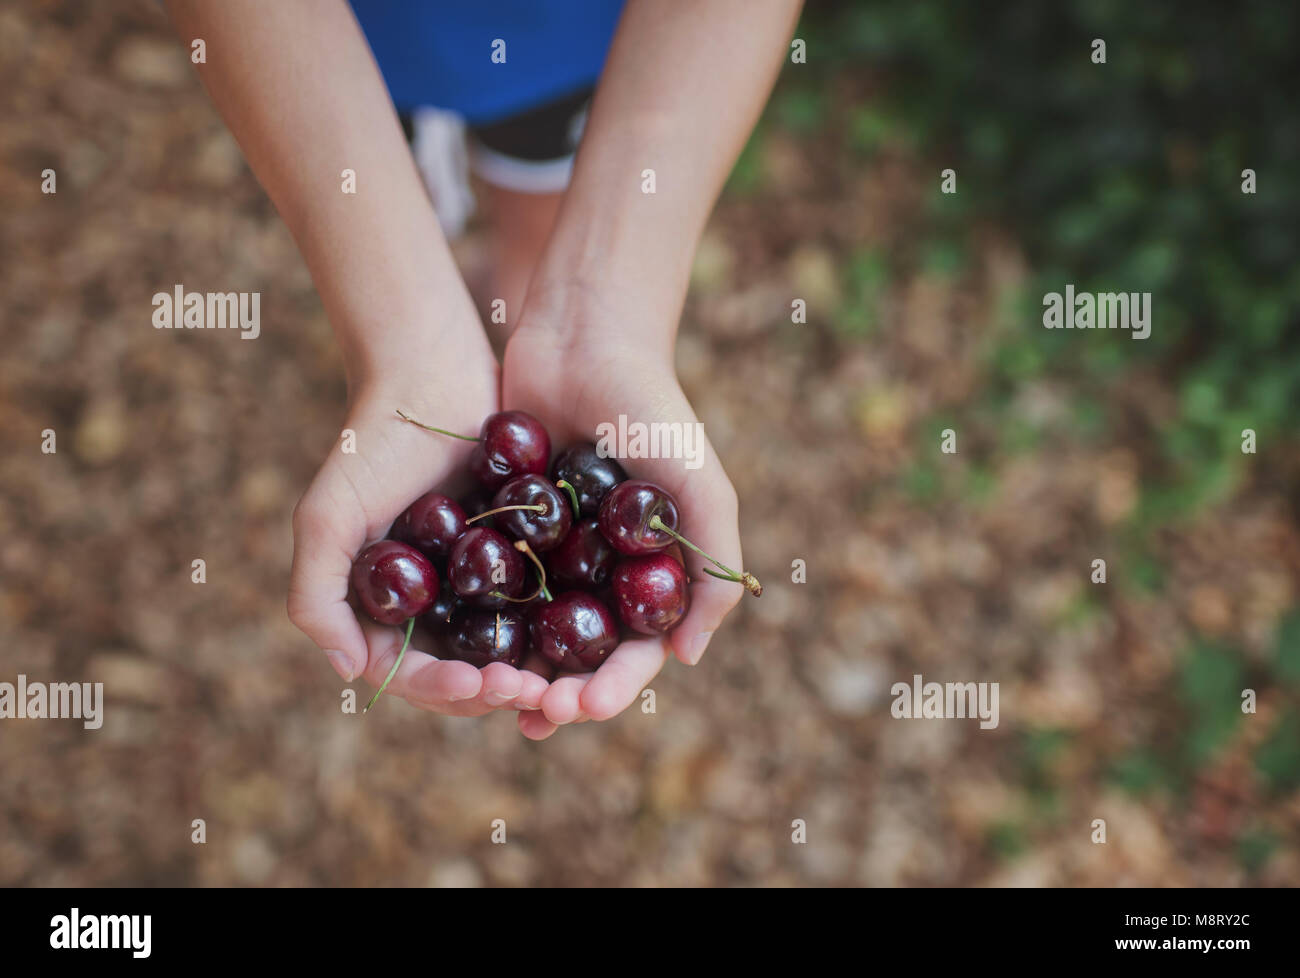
(749, 581)
(441, 431)
(410, 626)
(573, 496)
(535, 507)
(527, 551)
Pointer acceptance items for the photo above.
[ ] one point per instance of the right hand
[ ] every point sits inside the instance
(353, 501)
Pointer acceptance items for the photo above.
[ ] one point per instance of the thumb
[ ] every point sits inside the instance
(324, 541)
(710, 520)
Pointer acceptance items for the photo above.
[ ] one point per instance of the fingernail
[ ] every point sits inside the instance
(526, 708)
(496, 699)
(342, 663)
(699, 645)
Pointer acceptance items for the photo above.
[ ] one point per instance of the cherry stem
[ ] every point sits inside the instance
(527, 551)
(573, 497)
(747, 579)
(441, 431)
(523, 548)
(410, 626)
(535, 507)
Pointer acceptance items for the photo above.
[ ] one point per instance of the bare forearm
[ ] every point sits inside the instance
(296, 84)
(683, 87)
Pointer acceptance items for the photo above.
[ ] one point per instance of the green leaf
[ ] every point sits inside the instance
(1278, 758)
(1287, 657)
(1255, 848)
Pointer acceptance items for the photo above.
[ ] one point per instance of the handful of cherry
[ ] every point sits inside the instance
(594, 542)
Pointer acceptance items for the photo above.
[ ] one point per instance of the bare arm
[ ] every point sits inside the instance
(296, 83)
(683, 87)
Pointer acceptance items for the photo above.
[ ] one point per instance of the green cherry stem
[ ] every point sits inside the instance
(441, 431)
(410, 626)
(534, 507)
(573, 497)
(747, 579)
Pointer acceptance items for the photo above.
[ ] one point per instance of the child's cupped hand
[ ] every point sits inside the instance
(353, 501)
(573, 377)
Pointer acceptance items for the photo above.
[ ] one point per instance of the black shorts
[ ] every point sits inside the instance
(531, 152)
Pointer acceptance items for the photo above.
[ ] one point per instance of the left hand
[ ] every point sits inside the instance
(572, 375)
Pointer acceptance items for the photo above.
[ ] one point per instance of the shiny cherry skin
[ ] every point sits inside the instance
(625, 516)
(431, 524)
(584, 559)
(482, 637)
(510, 443)
(445, 606)
(590, 475)
(650, 593)
(394, 581)
(575, 632)
(470, 565)
(542, 530)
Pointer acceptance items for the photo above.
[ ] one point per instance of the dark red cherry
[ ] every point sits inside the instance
(650, 593)
(482, 637)
(574, 632)
(510, 443)
(584, 558)
(478, 501)
(431, 524)
(591, 476)
(626, 512)
(639, 517)
(542, 529)
(438, 617)
(483, 561)
(394, 581)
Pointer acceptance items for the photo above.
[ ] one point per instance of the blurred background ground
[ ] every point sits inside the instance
(1118, 701)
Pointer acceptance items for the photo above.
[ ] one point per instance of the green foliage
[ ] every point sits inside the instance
(1210, 682)
(980, 484)
(944, 257)
(1287, 659)
(867, 278)
(1255, 848)
(801, 111)
(1125, 176)
(1140, 772)
(1040, 749)
(1121, 176)
(1278, 758)
(1006, 840)
(921, 481)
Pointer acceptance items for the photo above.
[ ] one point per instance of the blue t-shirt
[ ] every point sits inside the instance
(440, 54)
